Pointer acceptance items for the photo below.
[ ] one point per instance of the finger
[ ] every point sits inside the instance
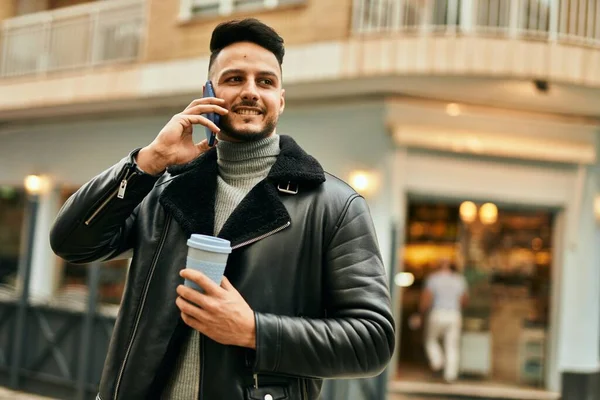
(204, 147)
(187, 120)
(225, 284)
(193, 323)
(205, 109)
(192, 310)
(205, 100)
(193, 296)
(210, 288)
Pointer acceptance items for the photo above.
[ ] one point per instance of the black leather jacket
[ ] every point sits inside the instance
(305, 259)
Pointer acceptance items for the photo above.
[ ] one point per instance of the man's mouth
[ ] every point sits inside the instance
(247, 111)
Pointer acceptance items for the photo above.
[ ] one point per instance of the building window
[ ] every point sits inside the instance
(12, 214)
(207, 8)
(111, 285)
(73, 287)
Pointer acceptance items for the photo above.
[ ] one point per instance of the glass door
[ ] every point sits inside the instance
(505, 255)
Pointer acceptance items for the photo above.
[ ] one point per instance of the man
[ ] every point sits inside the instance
(444, 296)
(305, 294)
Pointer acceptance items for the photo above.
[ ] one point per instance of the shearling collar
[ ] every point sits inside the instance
(190, 195)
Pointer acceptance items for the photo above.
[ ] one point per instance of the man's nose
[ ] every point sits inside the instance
(249, 91)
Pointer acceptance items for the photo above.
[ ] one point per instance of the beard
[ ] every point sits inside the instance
(247, 135)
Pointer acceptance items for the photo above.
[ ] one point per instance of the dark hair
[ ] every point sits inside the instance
(246, 30)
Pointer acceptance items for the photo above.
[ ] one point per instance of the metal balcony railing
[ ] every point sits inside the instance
(84, 36)
(568, 21)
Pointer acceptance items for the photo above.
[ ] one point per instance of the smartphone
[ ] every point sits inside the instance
(209, 91)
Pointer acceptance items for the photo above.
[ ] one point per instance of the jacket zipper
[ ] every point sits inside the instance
(246, 243)
(261, 237)
(200, 396)
(141, 308)
(118, 192)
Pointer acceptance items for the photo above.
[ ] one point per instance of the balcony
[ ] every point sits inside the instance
(564, 21)
(485, 52)
(78, 37)
(557, 40)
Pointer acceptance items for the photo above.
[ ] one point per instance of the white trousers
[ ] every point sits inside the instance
(446, 325)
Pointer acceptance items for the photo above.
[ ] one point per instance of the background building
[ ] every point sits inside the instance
(471, 127)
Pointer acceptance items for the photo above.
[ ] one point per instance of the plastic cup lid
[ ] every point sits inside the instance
(209, 243)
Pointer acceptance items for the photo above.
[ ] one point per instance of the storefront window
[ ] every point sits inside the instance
(505, 256)
(12, 211)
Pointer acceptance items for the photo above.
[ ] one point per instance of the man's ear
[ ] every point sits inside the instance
(282, 102)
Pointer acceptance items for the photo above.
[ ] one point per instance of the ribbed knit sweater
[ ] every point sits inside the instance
(241, 167)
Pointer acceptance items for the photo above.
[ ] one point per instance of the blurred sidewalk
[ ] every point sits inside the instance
(469, 390)
(7, 394)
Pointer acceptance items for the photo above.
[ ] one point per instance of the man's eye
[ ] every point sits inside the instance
(235, 79)
(267, 81)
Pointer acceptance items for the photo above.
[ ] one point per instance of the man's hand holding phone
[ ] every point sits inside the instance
(174, 144)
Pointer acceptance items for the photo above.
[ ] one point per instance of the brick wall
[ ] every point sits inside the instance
(53, 4)
(317, 20)
(8, 9)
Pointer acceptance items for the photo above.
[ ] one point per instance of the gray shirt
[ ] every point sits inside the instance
(447, 288)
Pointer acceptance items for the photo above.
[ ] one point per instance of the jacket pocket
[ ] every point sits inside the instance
(272, 392)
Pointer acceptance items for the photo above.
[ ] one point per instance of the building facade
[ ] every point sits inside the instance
(471, 127)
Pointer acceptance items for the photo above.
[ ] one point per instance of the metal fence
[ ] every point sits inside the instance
(572, 21)
(83, 36)
(56, 350)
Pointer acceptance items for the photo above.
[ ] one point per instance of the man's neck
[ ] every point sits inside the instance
(247, 158)
(223, 136)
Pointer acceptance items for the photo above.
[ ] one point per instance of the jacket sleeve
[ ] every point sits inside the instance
(356, 339)
(97, 221)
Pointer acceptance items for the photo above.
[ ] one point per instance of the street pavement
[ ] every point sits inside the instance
(413, 397)
(422, 397)
(7, 394)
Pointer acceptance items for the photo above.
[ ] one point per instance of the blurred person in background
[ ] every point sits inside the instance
(443, 298)
(305, 293)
